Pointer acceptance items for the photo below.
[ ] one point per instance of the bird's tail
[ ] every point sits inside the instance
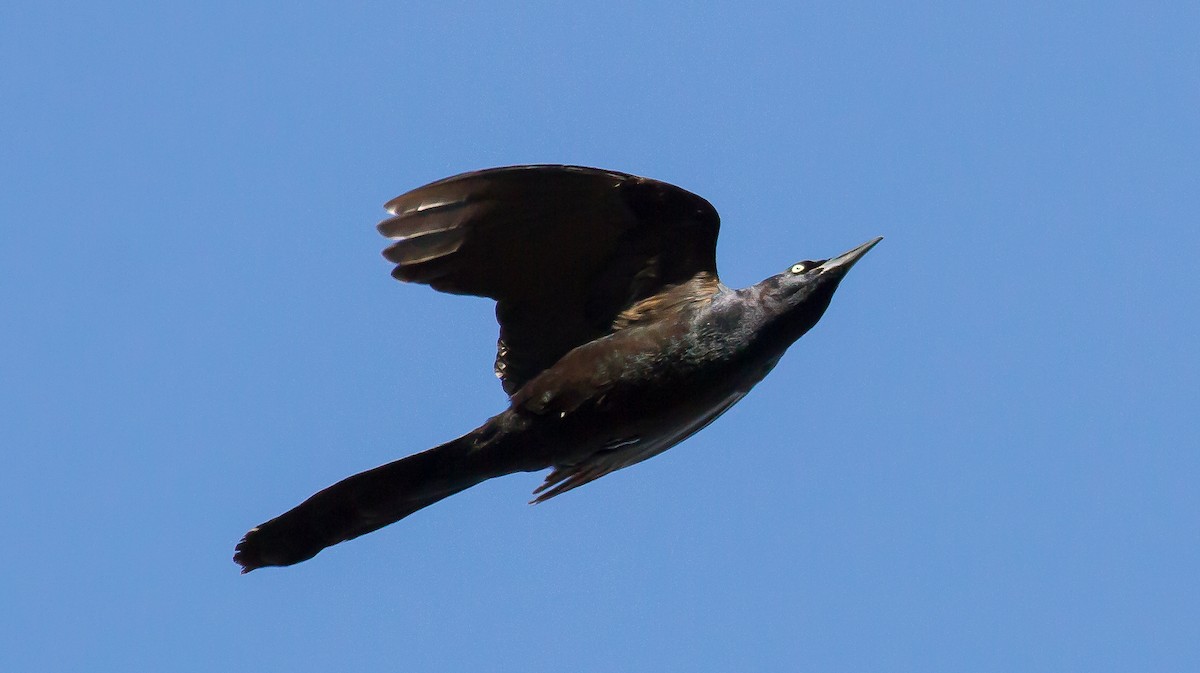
(369, 501)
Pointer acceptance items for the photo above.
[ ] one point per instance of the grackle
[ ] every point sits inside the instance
(617, 339)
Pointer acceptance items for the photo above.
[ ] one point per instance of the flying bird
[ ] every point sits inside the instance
(617, 338)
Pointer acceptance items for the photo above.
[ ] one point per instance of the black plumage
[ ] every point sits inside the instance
(617, 339)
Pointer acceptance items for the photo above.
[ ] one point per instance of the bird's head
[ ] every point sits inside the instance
(799, 296)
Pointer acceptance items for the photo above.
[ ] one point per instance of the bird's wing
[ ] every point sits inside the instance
(562, 249)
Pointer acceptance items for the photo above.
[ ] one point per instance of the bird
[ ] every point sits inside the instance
(617, 338)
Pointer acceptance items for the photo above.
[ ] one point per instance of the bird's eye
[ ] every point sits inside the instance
(799, 268)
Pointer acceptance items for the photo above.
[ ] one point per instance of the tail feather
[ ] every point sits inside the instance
(363, 503)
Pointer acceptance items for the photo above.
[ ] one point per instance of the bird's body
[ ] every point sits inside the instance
(618, 341)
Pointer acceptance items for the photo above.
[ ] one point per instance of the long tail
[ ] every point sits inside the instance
(371, 500)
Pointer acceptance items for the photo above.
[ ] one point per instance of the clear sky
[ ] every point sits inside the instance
(985, 458)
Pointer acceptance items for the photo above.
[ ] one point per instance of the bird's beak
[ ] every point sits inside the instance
(842, 263)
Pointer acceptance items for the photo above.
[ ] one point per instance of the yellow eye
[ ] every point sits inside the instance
(798, 268)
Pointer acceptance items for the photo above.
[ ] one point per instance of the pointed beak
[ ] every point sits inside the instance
(842, 263)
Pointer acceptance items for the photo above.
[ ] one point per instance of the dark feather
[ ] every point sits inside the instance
(563, 249)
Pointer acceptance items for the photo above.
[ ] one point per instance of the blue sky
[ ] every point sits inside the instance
(984, 458)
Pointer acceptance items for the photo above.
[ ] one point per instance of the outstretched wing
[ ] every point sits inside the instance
(562, 249)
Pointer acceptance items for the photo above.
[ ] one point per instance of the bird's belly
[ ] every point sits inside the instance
(621, 440)
(669, 431)
(644, 413)
(631, 427)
